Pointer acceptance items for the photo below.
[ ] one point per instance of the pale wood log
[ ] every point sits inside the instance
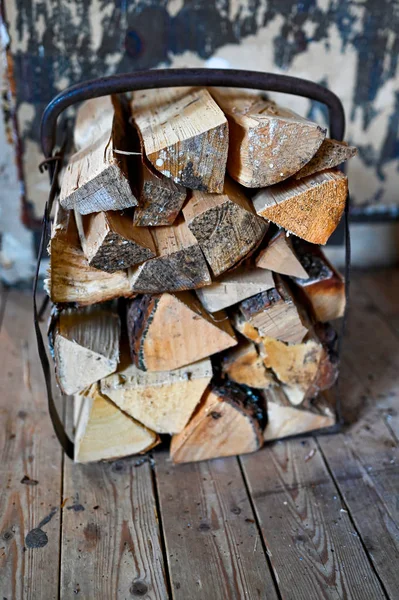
(160, 199)
(284, 419)
(110, 242)
(169, 331)
(185, 135)
(85, 344)
(234, 286)
(268, 143)
(94, 118)
(330, 154)
(226, 423)
(179, 264)
(310, 208)
(70, 277)
(163, 401)
(104, 432)
(96, 177)
(273, 313)
(324, 288)
(279, 257)
(225, 225)
(244, 365)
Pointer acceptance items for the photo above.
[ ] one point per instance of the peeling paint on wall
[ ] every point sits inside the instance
(16, 247)
(351, 47)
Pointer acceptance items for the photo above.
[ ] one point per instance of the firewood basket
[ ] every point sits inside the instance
(151, 79)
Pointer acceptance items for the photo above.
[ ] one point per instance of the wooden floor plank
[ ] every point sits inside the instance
(213, 545)
(364, 460)
(30, 466)
(110, 534)
(313, 548)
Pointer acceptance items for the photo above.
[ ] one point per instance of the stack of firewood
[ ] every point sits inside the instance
(190, 294)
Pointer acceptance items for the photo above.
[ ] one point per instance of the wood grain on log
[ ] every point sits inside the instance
(273, 313)
(185, 135)
(268, 143)
(110, 242)
(96, 177)
(234, 286)
(243, 365)
(104, 432)
(225, 424)
(169, 331)
(225, 226)
(179, 264)
(330, 154)
(86, 346)
(163, 401)
(70, 277)
(310, 208)
(279, 257)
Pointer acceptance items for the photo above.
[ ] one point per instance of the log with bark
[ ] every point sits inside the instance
(163, 401)
(168, 331)
(179, 264)
(330, 154)
(268, 143)
(227, 422)
(234, 286)
(70, 277)
(185, 136)
(110, 242)
(323, 289)
(273, 313)
(225, 226)
(104, 432)
(310, 208)
(85, 344)
(96, 177)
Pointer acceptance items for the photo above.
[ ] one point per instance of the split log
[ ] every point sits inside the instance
(324, 288)
(273, 313)
(160, 199)
(234, 286)
(284, 420)
(96, 178)
(225, 226)
(163, 401)
(225, 424)
(185, 135)
(179, 264)
(279, 256)
(94, 118)
(110, 242)
(330, 154)
(169, 331)
(104, 432)
(71, 279)
(85, 345)
(268, 143)
(310, 208)
(243, 365)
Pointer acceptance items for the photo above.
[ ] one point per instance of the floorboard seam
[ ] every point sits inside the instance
(161, 530)
(333, 479)
(255, 514)
(61, 508)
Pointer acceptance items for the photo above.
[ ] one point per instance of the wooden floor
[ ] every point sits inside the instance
(307, 519)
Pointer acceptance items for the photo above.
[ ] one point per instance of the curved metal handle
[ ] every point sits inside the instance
(143, 80)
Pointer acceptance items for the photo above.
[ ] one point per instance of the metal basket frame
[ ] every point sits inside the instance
(153, 79)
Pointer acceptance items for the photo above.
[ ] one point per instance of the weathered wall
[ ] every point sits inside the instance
(351, 47)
